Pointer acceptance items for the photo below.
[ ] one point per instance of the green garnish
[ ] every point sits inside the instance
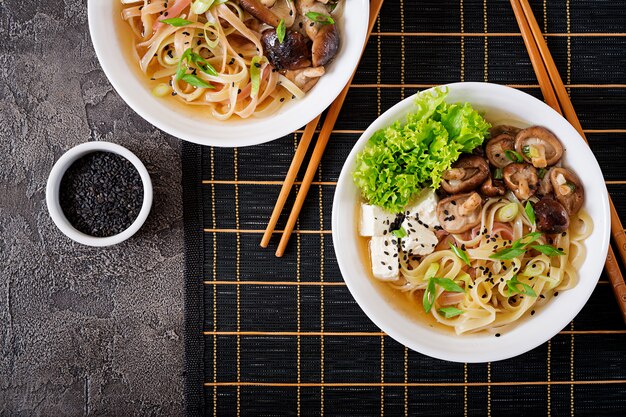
(177, 21)
(513, 287)
(526, 150)
(402, 159)
(548, 250)
(281, 30)
(541, 172)
(201, 6)
(195, 81)
(517, 248)
(255, 73)
(530, 212)
(571, 186)
(497, 174)
(320, 18)
(513, 156)
(449, 312)
(191, 57)
(429, 295)
(461, 254)
(400, 233)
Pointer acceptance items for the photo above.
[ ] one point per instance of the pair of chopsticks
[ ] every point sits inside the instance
(316, 157)
(556, 96)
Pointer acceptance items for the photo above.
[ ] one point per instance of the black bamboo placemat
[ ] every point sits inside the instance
(268, 336)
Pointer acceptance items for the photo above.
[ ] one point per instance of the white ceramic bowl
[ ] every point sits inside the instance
(54, 185)
(501, 105)
(112, 52)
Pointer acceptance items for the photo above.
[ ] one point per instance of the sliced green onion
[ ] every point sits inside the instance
(177, 21)
(195, 81)
(429, 295)
(201, 6)
(449, 312)
(255, 73)
(541, 172)
(571, 186)
(211, 43)
(507, 213)
(548, 250)
(431, 271)
(448, 284)
(320, 18)
(461, 254)
(497, 174)
(530, 212)
(513, 287)
(517, 248)
(513, 156)
(400, 233)
(182, 69)
(161, 90)
(203, 65)
(281, 30)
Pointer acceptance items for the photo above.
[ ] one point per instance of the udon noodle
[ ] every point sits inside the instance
(491, 301)
(214, 56)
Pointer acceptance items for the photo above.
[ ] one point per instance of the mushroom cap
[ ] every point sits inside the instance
(496, 149)
(292, 54)
(574, 196)
(521, 179)
(466, 174)
(260, 11)
(325, 45)
(537, 135)
(551, 216)
(493, 188)
(449, 213)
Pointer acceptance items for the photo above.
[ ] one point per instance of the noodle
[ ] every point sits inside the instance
(224, 38)
(488, 305)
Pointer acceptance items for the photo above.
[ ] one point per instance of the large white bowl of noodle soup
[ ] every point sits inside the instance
(113, 51)
(501, 105)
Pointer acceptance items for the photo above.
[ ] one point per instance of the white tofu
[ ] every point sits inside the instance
(374, 220)
(419, 239)
(384, 257)
(424, 209)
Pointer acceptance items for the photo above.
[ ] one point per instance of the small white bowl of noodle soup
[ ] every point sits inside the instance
(183, 76)
(541, 299)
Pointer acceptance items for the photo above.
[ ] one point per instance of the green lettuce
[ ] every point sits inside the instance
(402, 159)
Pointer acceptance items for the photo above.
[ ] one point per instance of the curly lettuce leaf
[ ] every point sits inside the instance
(402, 159)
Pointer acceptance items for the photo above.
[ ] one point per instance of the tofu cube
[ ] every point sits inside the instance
(424, 209)
(419, 239)
(374, 220)
(384, 257)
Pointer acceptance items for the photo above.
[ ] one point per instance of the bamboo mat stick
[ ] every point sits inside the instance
(550, 80)
(320, 146)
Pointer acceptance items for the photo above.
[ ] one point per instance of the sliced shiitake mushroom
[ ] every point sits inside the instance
(459, 213)
(551, 216)
(545, 185)
(257, 9)
(325, 45)
(521, 179)
(568, 189)
(497, 147)
(465, 175)
(292, 53)
(493, 188)
(538, 146)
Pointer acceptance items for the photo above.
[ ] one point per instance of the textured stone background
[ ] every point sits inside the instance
(83, 330)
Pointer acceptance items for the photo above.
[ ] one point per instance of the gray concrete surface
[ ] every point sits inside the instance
(83, 331)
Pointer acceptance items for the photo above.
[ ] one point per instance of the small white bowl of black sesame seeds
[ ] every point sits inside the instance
(99, 194)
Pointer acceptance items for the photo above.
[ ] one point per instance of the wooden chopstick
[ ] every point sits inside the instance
(551, 82)
(316, 157)
(298, 157)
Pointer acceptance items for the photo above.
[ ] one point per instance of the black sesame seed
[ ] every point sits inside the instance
(497, 334)
(101, 194)
(532, 313)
